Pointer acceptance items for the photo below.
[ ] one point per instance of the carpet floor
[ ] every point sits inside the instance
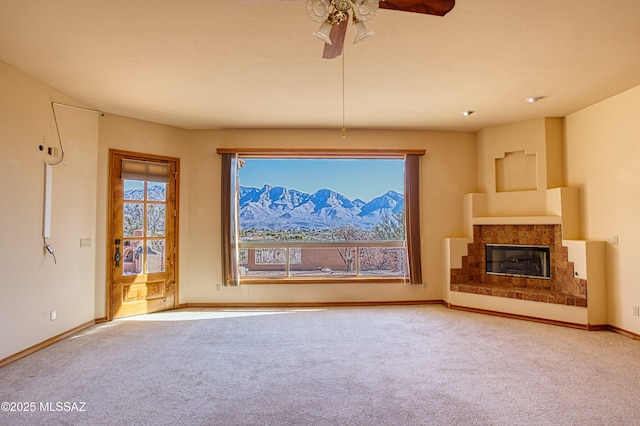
(383, 365)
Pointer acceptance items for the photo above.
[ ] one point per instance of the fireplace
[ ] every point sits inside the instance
(518, 260)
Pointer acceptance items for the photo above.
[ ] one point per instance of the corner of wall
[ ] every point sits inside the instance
(554, 155)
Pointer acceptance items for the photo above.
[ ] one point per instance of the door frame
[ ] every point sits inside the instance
(110, 229)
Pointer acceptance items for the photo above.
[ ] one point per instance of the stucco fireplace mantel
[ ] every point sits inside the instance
(518, 220)
(575, 293)
(521, 199)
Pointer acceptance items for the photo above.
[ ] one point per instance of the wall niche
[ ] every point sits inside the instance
(516, 171)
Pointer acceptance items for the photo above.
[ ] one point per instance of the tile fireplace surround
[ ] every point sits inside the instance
(563, 288)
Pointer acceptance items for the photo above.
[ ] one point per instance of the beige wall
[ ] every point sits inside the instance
(448, 171)
(538, 140)
(31, 285)
(602, 152)
(133, 135)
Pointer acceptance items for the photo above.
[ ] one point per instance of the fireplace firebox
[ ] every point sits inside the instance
(518, 260)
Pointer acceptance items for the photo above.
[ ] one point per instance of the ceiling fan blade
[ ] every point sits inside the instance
(337, 34)
(429, 7)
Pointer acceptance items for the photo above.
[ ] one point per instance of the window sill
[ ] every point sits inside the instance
(326, 280)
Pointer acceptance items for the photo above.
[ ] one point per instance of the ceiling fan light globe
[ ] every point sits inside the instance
(361, 32)
(323, 32)
(364, 10)
(318, 10)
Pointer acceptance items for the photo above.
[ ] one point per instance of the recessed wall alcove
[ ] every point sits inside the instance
(516, 171)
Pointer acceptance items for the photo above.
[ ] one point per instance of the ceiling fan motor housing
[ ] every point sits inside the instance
(341, 11)
(342, 5)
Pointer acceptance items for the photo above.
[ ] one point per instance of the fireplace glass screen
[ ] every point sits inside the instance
(520, 260)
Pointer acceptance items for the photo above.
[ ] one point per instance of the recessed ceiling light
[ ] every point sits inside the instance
(467, 113)
(534, 99)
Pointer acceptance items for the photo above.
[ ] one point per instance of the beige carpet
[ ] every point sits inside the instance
(400, 365)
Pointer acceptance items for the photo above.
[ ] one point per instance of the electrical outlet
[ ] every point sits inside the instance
(636, 311)
(217, 287)
(614, 240)
(424, 284)
(85, 242)
(53, 315)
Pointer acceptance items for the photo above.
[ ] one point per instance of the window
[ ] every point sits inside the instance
(301, 217)
(144, 216)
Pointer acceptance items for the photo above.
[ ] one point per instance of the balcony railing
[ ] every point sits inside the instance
(323, 260)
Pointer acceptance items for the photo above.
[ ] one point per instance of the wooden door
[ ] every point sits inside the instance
(143, 234)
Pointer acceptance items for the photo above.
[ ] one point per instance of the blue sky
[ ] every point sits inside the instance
(353, 178)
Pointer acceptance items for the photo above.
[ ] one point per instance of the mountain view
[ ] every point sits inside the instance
(280, 208)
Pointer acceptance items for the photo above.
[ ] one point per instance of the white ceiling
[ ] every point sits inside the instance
(225, 64)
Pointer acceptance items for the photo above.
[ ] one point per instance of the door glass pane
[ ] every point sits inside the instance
(155, 256)
(156, 191)
(156, 220)
(133, 189)
(133, 220)
(132, 256)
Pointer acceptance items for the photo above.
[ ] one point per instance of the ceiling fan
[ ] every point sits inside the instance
(334, 17)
